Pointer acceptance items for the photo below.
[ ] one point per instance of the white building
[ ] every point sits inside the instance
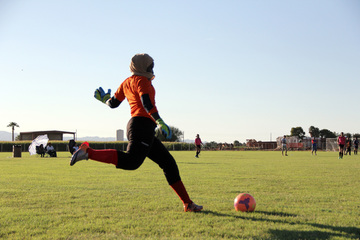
(119, 135)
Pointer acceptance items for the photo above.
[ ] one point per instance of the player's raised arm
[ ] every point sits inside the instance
(106, 98)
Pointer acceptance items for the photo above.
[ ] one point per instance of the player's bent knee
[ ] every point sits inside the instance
(130, 161)
(132, 164)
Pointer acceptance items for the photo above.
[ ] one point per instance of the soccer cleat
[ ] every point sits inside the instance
(192, 207)
(80, 154)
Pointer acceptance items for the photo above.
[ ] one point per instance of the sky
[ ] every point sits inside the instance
(227, 70)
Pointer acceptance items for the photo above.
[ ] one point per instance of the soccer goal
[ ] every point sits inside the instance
(331, 144)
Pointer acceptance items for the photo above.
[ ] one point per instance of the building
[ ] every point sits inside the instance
(52, 135)
(261, 145)
(119, 135)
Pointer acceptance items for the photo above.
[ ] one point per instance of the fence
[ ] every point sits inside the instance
(294, 143)
(63, 146)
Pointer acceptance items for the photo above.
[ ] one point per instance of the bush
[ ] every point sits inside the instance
(8, 146)
(63, 146)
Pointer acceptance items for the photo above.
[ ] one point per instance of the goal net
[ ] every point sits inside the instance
(331, 144)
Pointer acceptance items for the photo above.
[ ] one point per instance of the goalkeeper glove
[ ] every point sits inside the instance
(166, 131)
(100, 95)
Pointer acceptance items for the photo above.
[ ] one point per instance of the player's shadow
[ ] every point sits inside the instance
(337, 231)
(251, 216)
(280, 214)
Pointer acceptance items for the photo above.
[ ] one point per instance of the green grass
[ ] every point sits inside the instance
(298, 197)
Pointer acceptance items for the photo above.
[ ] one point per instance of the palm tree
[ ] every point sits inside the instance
(13, 125)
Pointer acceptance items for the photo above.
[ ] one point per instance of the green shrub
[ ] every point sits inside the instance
(62, 146)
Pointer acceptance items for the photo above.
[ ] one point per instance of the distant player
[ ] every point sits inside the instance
(198, 144)
(348, 146)
(140, 94)
(356, 145)
(313, 145)
(283, 146)
(341, 142)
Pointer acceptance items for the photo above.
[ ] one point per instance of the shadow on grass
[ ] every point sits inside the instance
(338, 231)
(253, 214)
(287, 234)
(280, 214)
(348, 230)
(202, 163)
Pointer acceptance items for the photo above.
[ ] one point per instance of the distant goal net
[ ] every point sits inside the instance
(331, 144)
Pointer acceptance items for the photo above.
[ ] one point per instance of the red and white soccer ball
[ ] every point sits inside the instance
(244, 202)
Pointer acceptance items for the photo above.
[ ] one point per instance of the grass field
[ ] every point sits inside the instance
(298, 197)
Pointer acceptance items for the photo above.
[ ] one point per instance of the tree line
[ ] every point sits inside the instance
(316, 132)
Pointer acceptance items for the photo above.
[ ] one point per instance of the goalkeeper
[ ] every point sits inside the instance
(140, 93)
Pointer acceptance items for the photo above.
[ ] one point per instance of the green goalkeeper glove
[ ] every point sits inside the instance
(165, 130)
(100, 95)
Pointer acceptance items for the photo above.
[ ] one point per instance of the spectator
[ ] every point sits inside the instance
(51, 150)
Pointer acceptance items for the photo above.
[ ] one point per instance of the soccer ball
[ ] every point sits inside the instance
(244, 202)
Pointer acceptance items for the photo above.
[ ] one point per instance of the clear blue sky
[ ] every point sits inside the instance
(228, 70)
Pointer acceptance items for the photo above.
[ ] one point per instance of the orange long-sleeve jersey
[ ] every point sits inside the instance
(140, 94)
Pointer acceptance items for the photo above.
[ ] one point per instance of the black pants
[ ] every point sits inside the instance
(142, 144)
